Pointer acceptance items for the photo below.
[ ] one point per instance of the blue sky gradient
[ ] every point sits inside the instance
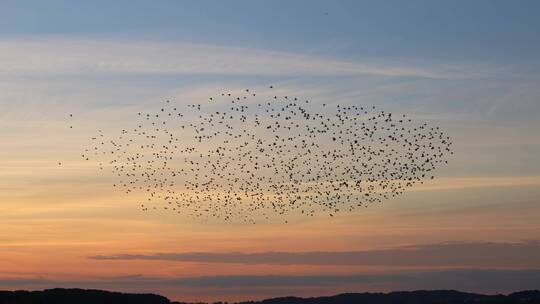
(487, 30)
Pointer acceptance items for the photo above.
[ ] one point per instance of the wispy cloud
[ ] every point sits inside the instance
(60, 56)
(478, 280)
(449, 183)
(441, 255)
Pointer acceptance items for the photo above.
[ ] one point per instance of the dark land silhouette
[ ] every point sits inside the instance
(90, 296)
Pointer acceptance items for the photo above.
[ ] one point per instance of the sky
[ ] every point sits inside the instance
(471, 67)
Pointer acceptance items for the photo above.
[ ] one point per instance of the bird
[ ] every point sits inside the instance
(253, 157)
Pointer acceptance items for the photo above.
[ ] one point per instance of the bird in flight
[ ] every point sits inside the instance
(251, 156)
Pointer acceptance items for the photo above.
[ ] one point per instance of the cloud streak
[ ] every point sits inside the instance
(65, 56)
(442, 255)
(481, 280)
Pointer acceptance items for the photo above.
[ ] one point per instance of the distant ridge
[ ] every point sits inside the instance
(92, 296)
(412, 297)
(78, 296)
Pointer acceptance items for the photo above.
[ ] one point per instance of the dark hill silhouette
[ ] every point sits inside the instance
(91, 296)
(78, 296)
(412, 297)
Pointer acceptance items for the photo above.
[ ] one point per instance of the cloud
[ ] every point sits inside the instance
(65, 56)
(451, 183)
(474, 255)
(480, 280)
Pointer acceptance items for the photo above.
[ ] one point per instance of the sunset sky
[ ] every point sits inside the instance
(471, 67)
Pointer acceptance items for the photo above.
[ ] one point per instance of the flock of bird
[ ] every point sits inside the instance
(248, 157)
